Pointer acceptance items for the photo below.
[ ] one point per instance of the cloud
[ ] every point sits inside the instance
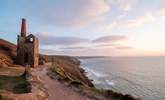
(162, 11)
(162, 8)
(47, 51)
(107, 45)
(111, 26)
(70, 13)
(129, 23)
(123, 47)
(148, 17)
(76, 45)
(113, 38)
(124, 5)
(73, 48)
(54, 40)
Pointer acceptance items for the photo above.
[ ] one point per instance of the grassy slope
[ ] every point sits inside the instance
(81, 87)
(12, 82)
(7, 53)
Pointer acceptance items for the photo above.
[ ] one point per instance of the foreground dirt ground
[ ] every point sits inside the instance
(56, 90)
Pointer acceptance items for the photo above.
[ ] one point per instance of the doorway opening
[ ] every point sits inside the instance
(26, 58)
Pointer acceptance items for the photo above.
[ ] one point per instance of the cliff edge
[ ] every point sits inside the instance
(65, 69)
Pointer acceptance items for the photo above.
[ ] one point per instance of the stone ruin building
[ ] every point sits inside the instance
(27, 48)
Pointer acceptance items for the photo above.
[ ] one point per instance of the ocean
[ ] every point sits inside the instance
(142, 77)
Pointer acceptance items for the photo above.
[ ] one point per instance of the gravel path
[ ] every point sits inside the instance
(56, 90)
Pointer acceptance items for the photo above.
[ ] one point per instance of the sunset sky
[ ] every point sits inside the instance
(89, 27)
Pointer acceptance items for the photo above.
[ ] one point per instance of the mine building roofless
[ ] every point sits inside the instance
(27, 48)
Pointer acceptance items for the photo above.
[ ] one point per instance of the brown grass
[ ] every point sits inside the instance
(11, 80)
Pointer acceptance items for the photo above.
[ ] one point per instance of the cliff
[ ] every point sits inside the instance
(65, 69)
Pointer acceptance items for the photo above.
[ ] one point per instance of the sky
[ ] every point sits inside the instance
(88, 27)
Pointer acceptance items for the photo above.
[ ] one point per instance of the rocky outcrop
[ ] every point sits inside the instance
(56, 58)
(77, 84)
(70, 67)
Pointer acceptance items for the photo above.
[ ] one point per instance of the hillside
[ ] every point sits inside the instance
(7, 53)
(61, 75)
(69, 64)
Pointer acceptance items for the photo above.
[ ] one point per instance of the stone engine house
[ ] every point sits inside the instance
(27, 48)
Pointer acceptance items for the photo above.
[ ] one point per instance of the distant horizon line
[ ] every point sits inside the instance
(123, 56)
(104, 56)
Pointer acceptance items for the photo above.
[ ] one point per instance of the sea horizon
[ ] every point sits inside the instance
(139, 76)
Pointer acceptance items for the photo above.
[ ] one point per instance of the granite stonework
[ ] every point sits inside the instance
(27, 48)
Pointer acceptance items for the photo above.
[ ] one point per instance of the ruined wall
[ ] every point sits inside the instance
(27, 51)
(27, 47)
(36, 53)
(20, 50)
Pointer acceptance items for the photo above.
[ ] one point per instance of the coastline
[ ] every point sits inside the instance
(72, 77)
(93, 92)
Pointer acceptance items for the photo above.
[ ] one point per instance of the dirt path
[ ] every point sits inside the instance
(56, 90)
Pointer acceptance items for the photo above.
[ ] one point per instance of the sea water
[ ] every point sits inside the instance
(139, 76)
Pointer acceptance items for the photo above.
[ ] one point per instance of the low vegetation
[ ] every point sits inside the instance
(13, 82)
(64, 75)
(91, 92)
(65, 69)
